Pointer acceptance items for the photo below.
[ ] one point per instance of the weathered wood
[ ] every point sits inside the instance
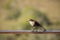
(28, 31)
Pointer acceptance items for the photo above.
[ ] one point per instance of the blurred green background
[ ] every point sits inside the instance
(14, 15)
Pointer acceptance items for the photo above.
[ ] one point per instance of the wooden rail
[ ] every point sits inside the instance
(29, 31)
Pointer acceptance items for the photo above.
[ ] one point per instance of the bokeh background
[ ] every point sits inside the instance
(14, 15)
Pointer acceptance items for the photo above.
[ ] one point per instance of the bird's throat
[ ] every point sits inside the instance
(32, 23)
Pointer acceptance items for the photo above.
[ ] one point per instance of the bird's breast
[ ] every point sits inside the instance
(31, 23)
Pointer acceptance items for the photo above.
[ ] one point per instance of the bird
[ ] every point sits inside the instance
(35, 24)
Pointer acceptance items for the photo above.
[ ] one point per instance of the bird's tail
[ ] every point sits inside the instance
(43, 29)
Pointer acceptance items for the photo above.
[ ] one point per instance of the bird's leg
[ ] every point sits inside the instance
(34, 28)
(40, 28)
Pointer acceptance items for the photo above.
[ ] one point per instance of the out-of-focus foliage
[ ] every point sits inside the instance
(14, 15)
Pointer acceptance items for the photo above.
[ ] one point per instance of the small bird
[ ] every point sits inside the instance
(36, 25)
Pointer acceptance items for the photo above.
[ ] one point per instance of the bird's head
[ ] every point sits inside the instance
(30, 20)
